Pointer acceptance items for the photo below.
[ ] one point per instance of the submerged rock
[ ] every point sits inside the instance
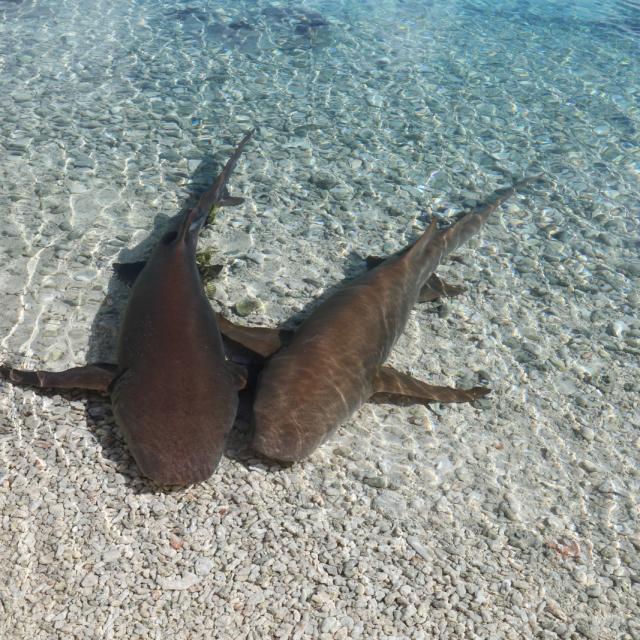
(247, 306)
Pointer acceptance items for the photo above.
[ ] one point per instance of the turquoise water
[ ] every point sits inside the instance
(370, 117)
(110, 108)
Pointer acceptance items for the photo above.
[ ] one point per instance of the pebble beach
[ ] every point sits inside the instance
(512, 517)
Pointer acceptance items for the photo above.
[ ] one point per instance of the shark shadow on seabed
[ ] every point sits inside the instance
(252, 29)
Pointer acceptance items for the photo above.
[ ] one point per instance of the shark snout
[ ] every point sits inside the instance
(177, 468)
(286, 442)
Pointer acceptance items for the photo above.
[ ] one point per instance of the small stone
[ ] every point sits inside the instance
(210, 289)
(22, 96)
(90, 580)
(420, 549)
(553, 522)
(176, 583)
(329, 624)
(617, 329)
(111, 554)
(341, 193)
(324, 180)
(586, 629)
(348, 569)
(77, 187)
(83, 161)
(395, 211)
(171, 156)
(322, 599)
(19, 144)
(248, 306)
(579, 575)
(588, 466)
(203, 566)
(158, 507)
(377, 482)
(588, 434)
(594, 591)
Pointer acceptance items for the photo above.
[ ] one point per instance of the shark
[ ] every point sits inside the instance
(315, 378)
(173, 393)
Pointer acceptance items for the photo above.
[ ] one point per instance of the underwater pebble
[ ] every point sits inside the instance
(324, 180)
(247, 306)
(78, 187)
(341, 193)
(588, 466)
(588, 434)
(617, 328)
(378, 482)
(22, 96)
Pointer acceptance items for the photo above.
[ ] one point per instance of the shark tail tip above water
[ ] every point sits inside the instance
(217, 196)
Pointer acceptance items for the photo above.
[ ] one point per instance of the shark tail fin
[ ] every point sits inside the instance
(435, 245)
(216, 196)
(469, 224)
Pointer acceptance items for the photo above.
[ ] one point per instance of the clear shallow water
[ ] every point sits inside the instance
(366, 126)
(109, 110)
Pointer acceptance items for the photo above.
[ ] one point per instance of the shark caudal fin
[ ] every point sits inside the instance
(435, 245)
(469, 224)
(216, 196)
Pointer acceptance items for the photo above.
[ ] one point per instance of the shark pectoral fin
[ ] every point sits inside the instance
(373, 261)
(261, 340)
(436, 288)
(127, 272)
(239, 374)
(399, 388)
(95, 377)
(209, 271)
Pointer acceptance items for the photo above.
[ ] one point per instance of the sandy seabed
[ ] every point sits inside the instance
(514, 517)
